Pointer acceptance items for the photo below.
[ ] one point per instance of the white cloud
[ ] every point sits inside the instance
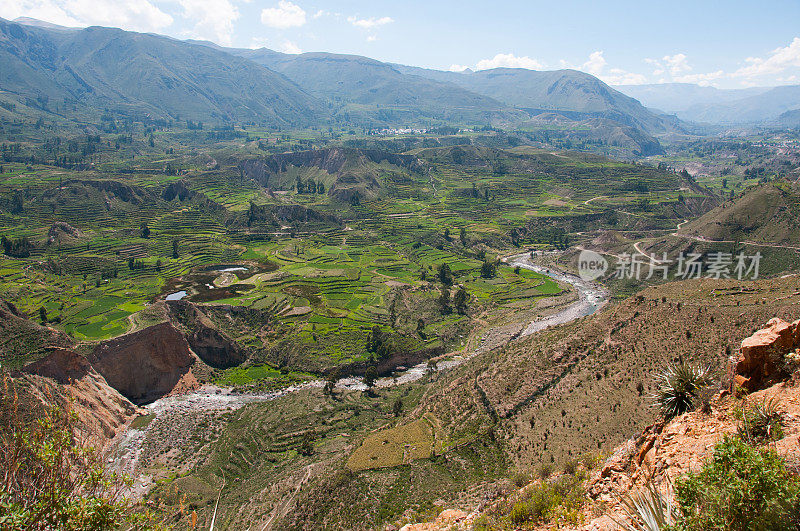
(458, 68)
(618, 76)
(508, 60)
(700, 79)
(369, 23)
(595, 64)
(778, 61)
(320, 13)
(213, 19)
(289, 47)
(286, 15)
(372, 38)
(133, 15)
(677, 63)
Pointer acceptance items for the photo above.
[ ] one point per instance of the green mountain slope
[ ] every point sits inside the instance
(352, 82)
(576, 94)
(99, 68)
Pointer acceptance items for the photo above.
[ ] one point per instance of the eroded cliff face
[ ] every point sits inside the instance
(206, 340)
(144, 365)
(66, 378)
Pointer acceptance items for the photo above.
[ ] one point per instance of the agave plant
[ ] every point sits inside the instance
(680, 386)
(761, 422)
(647, 509)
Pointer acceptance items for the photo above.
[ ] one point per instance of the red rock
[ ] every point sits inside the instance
(761, 356)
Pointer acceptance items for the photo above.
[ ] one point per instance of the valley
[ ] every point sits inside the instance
(248, 289)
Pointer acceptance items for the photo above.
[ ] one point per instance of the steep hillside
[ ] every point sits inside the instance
(46, 370)
(789, 119)
(769, 213)
(593, 494)
(351, 79)
(346, 174)
(65, 72)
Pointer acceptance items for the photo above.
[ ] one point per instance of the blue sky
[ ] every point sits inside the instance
(726, 44)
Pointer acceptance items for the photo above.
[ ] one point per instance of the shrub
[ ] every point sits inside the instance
(520, 479)
(571, 466)
(740, 487)
(680, 387)
(545, 470)
(51, 479)
(760, 423)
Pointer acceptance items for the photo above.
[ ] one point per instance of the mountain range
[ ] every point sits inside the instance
(67, 70)
(79, 72)
(718, 106)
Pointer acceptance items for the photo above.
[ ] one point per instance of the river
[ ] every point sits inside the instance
(591, 297)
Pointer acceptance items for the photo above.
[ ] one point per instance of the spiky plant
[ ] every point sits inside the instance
(760, 422)
(679, 388)
(647, 509)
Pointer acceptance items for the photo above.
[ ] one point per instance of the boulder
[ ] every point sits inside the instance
(761, 357)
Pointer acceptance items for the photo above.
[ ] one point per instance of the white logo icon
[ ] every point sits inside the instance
(591, 265)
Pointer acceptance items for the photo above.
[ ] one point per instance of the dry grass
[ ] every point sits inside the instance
(394, 446)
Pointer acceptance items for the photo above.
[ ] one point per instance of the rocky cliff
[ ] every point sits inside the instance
(65, 377)
(144, 365)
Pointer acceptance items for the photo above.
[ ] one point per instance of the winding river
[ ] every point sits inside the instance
(591, 297)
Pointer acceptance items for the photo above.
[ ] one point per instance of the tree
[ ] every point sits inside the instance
(370, 377)
(397, 407)
(145, 231)
(488, 269)
(462, 235)
(460, 301)
(43, 314)
(175, 252)
(306, 447)
(17, 203)
(444, 301)
(447, 234)
(330, 382)
(421, 327)
(320, 188)
(739, 488)
(445, 275)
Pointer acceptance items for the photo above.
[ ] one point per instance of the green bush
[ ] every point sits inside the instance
(52, 480)
(740, 487)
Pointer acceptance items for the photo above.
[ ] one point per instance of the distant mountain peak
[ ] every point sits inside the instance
(35, 22)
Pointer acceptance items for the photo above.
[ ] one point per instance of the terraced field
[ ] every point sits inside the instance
(108, 241)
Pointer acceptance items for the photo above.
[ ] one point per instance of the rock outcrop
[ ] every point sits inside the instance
(60, 232)
(764, 357)
(66, 378)
(210, 344)
(144, 365)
